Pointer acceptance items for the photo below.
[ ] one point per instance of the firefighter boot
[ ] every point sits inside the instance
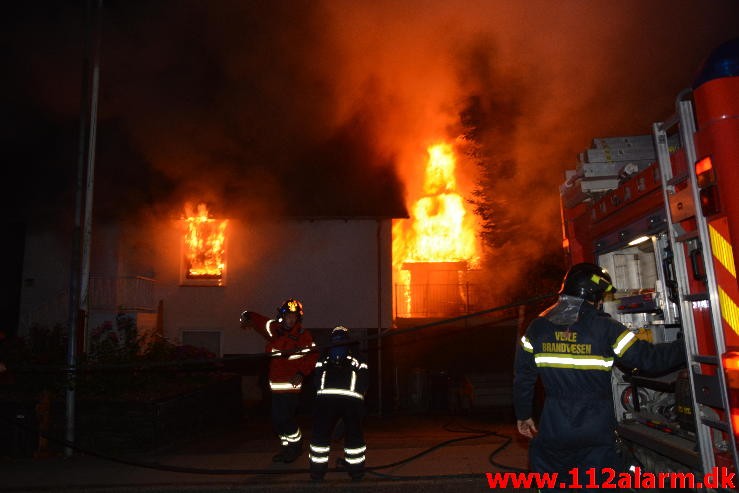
(281, 455)
(292, 452)
(317, 474)
(355, 472)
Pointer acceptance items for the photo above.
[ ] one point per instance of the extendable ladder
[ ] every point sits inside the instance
(706, 373)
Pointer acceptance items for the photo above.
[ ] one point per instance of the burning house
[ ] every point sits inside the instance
(436, 248)
(188, 278)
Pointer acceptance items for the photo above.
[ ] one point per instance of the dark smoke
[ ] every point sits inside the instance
(307, 107)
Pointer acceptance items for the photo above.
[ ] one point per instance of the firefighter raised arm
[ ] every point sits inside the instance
(292, 357)
(264, 326)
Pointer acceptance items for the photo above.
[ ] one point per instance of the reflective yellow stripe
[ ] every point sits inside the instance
(729, 310)
(283, 386)
(722, 250)
(553, 360)
(526, 345)
(624, 342)
(725, 278)
(344, 392)
(319, 450)
(355, 451)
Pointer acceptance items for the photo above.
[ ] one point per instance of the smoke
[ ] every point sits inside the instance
(327, 107)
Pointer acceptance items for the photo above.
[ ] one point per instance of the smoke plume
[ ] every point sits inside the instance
(326, 107)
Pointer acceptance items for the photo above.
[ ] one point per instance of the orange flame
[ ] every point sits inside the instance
(205, 244)
(439, 229)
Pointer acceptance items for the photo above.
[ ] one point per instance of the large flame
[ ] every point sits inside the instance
(439, 229)
(205, 244)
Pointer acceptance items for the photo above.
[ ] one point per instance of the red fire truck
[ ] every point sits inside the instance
(661, 213)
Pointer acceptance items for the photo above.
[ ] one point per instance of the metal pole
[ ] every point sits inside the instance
(379, 317)
(80, 264)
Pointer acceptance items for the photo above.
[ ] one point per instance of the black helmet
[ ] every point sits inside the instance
(291, 306)
(340, 351)
(587, 281)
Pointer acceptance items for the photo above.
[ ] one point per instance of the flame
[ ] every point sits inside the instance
(205, 244)
(439, 229)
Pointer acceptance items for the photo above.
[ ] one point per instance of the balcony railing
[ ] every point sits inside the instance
(419, 300)
(122, 293)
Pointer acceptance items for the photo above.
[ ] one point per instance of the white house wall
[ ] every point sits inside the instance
(335, 267)
(45, 284)
(332, 266)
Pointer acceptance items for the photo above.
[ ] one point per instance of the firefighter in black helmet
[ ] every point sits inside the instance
(341, 379)
(572, 347)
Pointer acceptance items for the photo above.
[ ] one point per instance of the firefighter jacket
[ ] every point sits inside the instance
(346, 377)
(291, 352)
(574, 362)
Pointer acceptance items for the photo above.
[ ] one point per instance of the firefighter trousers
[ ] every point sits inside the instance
(284, 410)
(328, 411)
(545, 459)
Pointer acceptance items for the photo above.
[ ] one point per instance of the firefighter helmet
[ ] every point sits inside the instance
(340, 351)
(291, 306)
(587, 281)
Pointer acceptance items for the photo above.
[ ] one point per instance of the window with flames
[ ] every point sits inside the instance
(204, 248)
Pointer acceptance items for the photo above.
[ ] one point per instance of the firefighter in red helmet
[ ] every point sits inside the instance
(289, 347)
(572, 347)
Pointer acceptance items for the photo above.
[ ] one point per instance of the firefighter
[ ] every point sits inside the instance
(292, 359)
(341, 380)
(572, 347)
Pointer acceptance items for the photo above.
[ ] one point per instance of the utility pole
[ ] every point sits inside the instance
(80, 265)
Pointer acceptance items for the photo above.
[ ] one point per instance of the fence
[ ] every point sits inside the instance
(418, 300)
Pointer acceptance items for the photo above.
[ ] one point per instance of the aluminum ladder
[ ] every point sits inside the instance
(713, 394)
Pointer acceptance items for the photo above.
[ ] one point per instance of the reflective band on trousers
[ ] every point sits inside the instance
(319, 450)
(294, 438)
(317, 459)
(358, 460)
(574, 362)
(319, 454)
(355, 451)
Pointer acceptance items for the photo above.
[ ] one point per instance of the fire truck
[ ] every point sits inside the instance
(661, 213)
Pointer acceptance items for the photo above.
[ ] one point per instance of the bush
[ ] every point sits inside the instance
(119, 365)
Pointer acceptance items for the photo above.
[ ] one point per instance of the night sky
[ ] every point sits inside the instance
(326, 108)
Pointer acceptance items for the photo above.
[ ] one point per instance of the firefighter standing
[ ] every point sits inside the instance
(572, 346)
(341, 381)
(292, 359)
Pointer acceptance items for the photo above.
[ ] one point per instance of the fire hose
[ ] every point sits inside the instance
(474, 435)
